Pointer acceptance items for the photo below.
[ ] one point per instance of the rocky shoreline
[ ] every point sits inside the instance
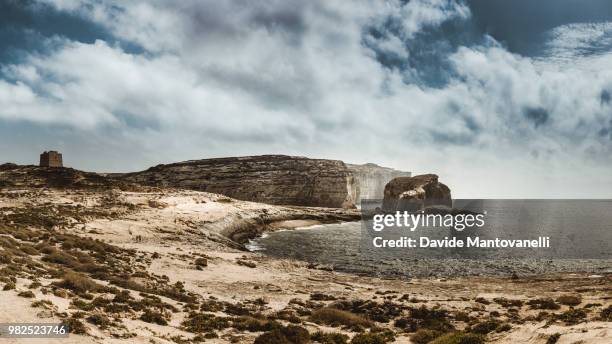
(125, 264)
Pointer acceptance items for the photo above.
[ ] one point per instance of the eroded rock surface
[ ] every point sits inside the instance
(29, 176)
(415, 193)
(371, 179)
(273, 179)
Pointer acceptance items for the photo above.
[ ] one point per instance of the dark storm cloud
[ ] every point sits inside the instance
(449, 138)
(605, 97)
(539, 116)
(27, 24)
(289, 21)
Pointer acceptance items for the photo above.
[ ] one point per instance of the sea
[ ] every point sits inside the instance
(579, 232)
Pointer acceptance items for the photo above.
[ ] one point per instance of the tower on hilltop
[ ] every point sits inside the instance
(51, 159)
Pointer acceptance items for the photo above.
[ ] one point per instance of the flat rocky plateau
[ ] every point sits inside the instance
(127, 264)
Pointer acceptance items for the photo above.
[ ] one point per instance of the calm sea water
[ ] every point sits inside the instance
(580, 232)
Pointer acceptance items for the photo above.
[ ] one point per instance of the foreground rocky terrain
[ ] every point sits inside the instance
(122, 263)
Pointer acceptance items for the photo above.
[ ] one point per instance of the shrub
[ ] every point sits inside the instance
(485, 326)
(321, 297)
(123, 297)
(9, 286)
(459, 338)
(236, 309)
(592, 305)
(201, 262)
(606, 314)
(296, 334)
(61, 258)
(482, 300)
(545, 303)
(255, 325)
(41, 303)
(46, 248)
(462, 316)
(553, 338)
(502, 301)
(287, 315)
(284, 335)
(60, 293)
(150, 302)
(116, 308)
(424, 336)
(29, 250)
(212, 306)
(370, 338)
(202, 322)
(503, 327)
(5, 257)
(89, 244)
(572, 316)
(381, 312)
(82, 305)
(75, 326)
(34, 285)
(336, 317)
(329, 337)
(79, 283)
(175, 292)
(246, 263)
(569, 300)
(154, 317)
(272, 337)
(99, 320)
(422, 317)
(28, 293)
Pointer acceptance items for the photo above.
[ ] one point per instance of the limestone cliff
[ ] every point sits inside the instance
(415, 193)
(371, 179)
(273, 179)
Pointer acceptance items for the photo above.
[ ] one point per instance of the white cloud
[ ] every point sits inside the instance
(226, 78)
(417, 15)
(567, 42)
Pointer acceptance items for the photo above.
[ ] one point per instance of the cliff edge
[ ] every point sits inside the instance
(272, 179)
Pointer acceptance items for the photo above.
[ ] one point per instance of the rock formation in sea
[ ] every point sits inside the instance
(273, 179)
(416, 193)
(371, 179)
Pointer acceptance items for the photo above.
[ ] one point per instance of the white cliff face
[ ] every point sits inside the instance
(371, 179)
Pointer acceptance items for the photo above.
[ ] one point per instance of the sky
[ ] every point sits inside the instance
(502, 99)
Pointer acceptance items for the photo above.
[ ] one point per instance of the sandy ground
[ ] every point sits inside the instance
(179, 226)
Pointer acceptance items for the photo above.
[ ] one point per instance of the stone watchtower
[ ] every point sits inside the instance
(51, 159)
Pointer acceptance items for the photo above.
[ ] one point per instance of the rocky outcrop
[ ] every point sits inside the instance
(371, 179)
(416, 193)
(273, 179)
(28, 176)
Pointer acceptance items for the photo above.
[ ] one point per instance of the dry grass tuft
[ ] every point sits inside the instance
(570, 300)
(80, 283)
(335, 317)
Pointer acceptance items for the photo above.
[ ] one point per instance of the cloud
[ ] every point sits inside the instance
(413, 84)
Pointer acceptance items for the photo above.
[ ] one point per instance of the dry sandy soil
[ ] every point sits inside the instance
(158, 266)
